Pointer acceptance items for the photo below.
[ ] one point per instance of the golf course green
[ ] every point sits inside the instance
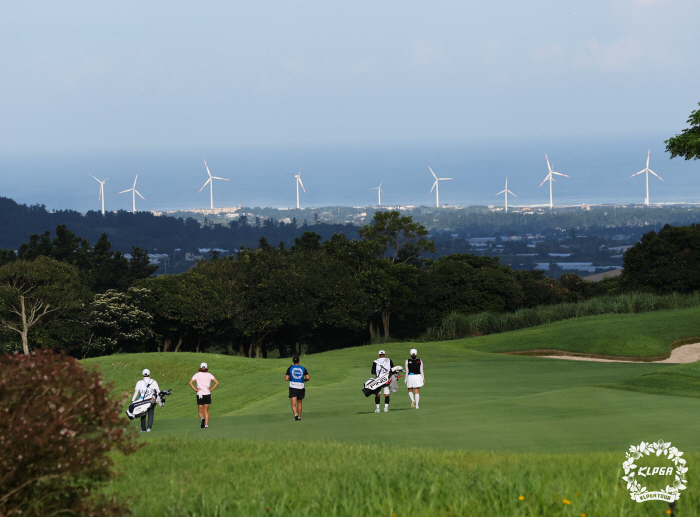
(496, 434)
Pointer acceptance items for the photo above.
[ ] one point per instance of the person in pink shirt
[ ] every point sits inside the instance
(203, 378)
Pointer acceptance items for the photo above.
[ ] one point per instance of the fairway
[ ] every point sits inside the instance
(474, 399)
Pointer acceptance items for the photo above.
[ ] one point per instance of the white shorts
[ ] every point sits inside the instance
(386, 390)
(414, 381)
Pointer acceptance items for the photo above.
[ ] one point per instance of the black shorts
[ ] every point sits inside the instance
(206, 399)
(298, 393)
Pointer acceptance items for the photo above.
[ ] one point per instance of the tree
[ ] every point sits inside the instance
(31, 292)
(396, 237)
(119, 322)
(687, 144)
(664, 262)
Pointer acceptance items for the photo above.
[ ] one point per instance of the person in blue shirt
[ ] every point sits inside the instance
(296, 375)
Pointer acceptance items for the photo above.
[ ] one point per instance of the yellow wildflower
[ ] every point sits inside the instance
(521, 498)
(566, 501)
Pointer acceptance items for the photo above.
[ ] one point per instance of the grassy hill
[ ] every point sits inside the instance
(510, 411)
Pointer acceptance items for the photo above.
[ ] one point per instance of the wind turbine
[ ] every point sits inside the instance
(298, 177)
(133, 194)
(437, 187)
(379, 191)
(102, 193)
(506, 192)
(211, 184)
(551, 179)
(647, 171)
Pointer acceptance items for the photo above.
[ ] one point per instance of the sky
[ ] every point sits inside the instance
(85, 76)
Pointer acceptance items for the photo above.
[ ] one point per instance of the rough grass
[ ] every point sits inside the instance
(682, 380)
(456, 325)
(220, 478)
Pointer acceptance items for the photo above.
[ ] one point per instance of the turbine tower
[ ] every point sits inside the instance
(211, 184)
(379, 191)
(436, 186)
(133, 194)
(551, 179)
(102, 193)
(298, 177)
(647, 171)
(506, 192)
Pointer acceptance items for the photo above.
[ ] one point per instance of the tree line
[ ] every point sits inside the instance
(315, 295)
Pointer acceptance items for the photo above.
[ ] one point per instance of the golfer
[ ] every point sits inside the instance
(297, 375)
(379, 367)
(203, 378)
(145, 389)
(415, 377)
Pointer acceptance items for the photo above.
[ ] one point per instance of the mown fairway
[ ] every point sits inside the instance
(474, 400)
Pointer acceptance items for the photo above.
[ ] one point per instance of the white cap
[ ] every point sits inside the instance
(414, 351)
(146, 372)
(204, 365)
(381, 352)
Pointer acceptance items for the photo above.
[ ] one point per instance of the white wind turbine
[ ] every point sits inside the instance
(133, 194)
(211, 184)
(506, 192)
(436, 186)
(647, 171)
(551, 179)
(379, 191)
(298, 177)
(102, 193)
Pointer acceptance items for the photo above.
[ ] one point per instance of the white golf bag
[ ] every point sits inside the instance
(140, 407)
(374, 385)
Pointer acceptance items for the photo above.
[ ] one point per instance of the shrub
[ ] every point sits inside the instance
(58, 423)
(455, 325)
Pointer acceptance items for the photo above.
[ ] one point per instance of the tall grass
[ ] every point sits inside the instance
(456, 325)
(221, 478)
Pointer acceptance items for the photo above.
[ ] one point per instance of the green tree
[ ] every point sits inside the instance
(32, 292)
(687, 144)
(664, 262)
(396, 237)
(119, 322)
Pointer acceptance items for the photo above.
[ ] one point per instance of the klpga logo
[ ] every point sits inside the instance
(635, 474)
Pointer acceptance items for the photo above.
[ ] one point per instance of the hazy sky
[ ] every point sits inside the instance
(85, 75)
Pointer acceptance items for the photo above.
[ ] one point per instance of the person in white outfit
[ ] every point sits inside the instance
(381, 366)
(145, 389)
(415, 377)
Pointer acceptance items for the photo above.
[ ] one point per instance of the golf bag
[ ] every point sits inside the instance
(373, 386)
(140, 407)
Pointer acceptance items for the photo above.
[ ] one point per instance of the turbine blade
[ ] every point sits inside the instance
(96, 178)
(511, 193)
(648, 153)
(205, 164)
(548, 176)
(125, 191)
(434, 184)
(139, 193)
(431, 172)
(217, 178)
(501, 192)
(656, 175)
(302, 185)
(440, 179)
(560, 174)
(548, 166)
(205, 184)
(633, 175)
(382, 183)
(137, 177)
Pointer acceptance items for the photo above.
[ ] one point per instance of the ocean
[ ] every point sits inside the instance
(344, 175)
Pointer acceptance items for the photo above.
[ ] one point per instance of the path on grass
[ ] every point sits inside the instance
(681, 355)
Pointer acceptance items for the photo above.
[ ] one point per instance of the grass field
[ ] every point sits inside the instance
(510, 412)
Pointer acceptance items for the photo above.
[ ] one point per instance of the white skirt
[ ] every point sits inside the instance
(414, 381)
